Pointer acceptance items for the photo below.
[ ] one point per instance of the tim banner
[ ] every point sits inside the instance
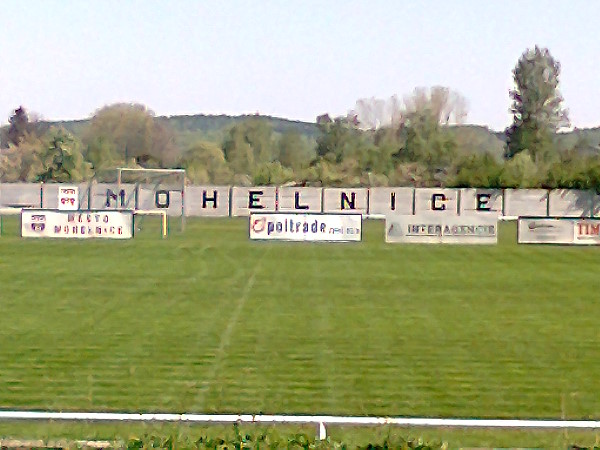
(44, 223)
(306, 227)
(568, 231)
(429, 229)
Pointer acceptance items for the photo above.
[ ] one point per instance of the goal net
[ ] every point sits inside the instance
(156, 193)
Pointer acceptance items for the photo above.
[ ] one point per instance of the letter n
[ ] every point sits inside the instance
(348, 203)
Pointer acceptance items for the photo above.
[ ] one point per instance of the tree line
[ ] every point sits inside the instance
(418, 140)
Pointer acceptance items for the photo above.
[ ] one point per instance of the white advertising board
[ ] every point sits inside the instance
(346, 200)
(20, 195)
(571, 203)
(306, 227)
(569, 231)
(60, 196)
(108, 224)
(245, 200)
(384, 200)
(525, 202)
(68, 198)
(586, 231)
(113, 196)
(157, 198)
(442, 229)
(436, 201)
(474, 201)
(209, 201)
(544, 230)
(300, 199)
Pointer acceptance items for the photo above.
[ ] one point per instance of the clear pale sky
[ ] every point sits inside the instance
(295, 59)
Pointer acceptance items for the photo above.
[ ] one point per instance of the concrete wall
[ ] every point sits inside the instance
(223, 201)
(346, 200)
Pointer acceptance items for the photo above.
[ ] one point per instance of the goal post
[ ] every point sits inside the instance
(164, 221)
(162, 183)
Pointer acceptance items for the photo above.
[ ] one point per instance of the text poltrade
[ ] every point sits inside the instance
(293, 226)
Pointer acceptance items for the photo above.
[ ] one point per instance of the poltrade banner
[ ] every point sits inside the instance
(107, 224)
(441, 229)
(567, 231)
(306, 227)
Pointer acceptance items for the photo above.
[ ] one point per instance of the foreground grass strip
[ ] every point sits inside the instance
(186, 436)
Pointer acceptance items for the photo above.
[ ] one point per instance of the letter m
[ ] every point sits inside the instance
(110, 196)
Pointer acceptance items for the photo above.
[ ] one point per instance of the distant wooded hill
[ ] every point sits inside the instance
(262, 150)
(209, 127)
(214, 127)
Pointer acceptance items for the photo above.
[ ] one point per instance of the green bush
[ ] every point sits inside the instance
(270, 441)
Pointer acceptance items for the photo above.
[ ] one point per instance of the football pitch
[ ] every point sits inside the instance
(208, 321)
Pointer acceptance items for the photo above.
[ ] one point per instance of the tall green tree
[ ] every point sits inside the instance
(537, 106)
(249, 144)
(339, 138)
(19, 126)
(294, 151)
(124, 133)
(204, 162)
(423, 131)
(62, 159)
(22, 162)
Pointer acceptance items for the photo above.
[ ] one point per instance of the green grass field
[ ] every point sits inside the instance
(207, 321)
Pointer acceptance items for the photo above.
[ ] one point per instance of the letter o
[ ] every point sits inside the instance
(162, 199)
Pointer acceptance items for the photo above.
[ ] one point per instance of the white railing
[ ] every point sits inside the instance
(320, 421)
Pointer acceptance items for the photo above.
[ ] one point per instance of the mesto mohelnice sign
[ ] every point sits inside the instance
(220, 201)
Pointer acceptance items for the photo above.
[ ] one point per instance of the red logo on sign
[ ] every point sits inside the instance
(258, 225)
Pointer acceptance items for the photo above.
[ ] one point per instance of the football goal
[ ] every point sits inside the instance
(158, 192)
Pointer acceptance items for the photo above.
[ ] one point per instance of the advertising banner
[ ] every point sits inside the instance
(441, 229)
(569, 231)
(544, 230)
(306, 227)
(586, 231)
(107, 224)
(68, 198)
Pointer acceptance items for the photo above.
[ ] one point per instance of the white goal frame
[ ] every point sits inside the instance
(159, 172)
(164, 228)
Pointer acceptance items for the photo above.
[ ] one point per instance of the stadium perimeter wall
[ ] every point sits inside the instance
(224, 201)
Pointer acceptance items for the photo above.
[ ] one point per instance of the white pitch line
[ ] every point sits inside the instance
(226, 336)
(327, 420)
